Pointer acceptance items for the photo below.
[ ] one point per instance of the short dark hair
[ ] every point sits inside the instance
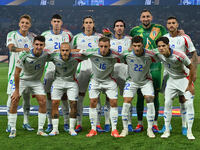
(172, 17)
(86, 17)
(163, 39)
(137, 39)
(146, 10)
(26, 17)
(39, 38)
(104, 39)
(56, 16)
(119, 20)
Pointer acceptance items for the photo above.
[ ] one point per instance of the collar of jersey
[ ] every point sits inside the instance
(106, 55)
(34, 54)
(118, 39)
(86, 35)
(20, 33)
(56, 34)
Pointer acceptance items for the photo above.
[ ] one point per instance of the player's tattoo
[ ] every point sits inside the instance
(13, 49)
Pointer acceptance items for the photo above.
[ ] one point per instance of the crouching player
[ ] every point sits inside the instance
(103, 60)
(31, 66)
(139, 61)
(178, 66)
(65, 67)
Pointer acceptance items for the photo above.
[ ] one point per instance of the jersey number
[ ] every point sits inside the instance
(56, 45)
(102, 66)
(138, 67)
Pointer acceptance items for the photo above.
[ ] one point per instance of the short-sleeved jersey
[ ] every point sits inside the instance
(102, 66)
(120, 45)
(82, 41)
(19, 41)
(31, 65)
(181, 43)
(175, 64)
(139, 66)
(65, 70)
(149, 35)
(53, 42)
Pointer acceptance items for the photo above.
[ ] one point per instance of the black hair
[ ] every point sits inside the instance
(86, 17)
(119, 20)
(172, 17)
(104, 39)
(39, 38)
(137, 39)
(146, 10)
(56, 16)
(163, 39)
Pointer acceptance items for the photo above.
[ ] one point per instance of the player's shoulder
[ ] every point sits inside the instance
(167, 35)
(114, 52)
(136, 28)
(158, 25)
(127, 37)
(98, 34)
(187, 37)
(32, 34)
(75, 54)
(78, 35)
(179, 54)
(46, 33)
(12, 33)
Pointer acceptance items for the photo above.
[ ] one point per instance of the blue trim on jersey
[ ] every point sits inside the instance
(117, 38)
(32, 53)
(171, 52)
(20, 33)
(56, 34)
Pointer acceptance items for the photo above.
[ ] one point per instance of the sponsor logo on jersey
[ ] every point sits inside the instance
(83, 41)
(20, 40)
(113, 43)
(50, 39)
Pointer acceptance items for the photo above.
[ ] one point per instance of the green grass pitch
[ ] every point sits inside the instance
(30, 141)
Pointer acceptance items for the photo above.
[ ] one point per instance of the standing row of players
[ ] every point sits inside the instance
(85, 40)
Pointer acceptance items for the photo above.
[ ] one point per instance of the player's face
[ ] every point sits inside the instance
(24, 24)
(104, 47)
(88, 24)
(146, 18)
(38, 47)
(56, 24)
(163, 48)
(119, 28)
(138, 48)
(65, 51)
(172, 25)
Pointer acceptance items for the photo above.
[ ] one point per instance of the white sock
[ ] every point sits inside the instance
(130, 114)
(150, 114)
(168, 113)
(8, 107)
(49, 110)
(114, 117)
(183, 114)
(80, 110)
(55, 123)
(98, 112)
(65, 111)
(125, 111)
(12, 121)
(41, 120)
(107, 112)
(93, 117)
(72, 123)
(190, 114)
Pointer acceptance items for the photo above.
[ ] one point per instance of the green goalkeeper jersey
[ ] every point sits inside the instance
(149, 35)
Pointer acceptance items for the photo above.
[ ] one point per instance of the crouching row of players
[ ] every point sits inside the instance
(103, 59)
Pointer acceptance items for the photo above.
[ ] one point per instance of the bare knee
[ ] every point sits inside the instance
(149, 99)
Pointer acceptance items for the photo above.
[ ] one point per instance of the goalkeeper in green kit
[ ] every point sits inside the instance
(150, 33)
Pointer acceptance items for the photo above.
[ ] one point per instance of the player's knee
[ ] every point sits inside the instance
(182, 99)
(81, 94)
(113, 103)
(149, 99)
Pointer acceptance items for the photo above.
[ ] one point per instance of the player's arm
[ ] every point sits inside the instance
(13, 48)
(194, 61)
(16, 94)
(191, 78)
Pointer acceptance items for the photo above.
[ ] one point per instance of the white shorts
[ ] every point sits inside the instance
(109, 87)
(131, 88)
(175, 87)
(83, 75)
(34, 87)
(60, 87)
(48, 80)
(120, 73)
(11, 85)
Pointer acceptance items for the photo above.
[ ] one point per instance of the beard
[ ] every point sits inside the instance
(147, 24)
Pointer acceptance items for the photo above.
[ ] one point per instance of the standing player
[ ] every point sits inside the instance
(178, 66)
(180, 42)
(54, 38)
(17, 42)
(103, 60)
(85, 40)
(65, 68)
(139, 61)
(119, 42)
(31, 65)
(150, 33)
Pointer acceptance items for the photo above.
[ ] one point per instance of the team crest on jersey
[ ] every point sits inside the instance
(172, 46)
(132, 60)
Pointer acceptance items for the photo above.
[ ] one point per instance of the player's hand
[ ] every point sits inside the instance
(26, 49)
(181, 32)
(15, 97)
(190, 88)
(106, 32)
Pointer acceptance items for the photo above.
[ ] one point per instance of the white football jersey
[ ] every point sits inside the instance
(31, 65)
(19, 41)
(181, 43)
(176, 64)
(82, 41)
(53, 42)
(120, 45)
